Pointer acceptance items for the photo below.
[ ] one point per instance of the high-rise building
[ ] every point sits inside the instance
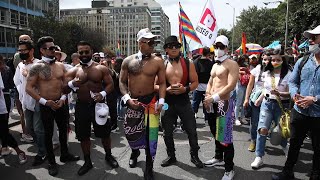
(14, 21)
(117, 24)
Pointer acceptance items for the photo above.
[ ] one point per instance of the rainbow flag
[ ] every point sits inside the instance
(243, 49)
(118, 53)
(295, 46)
(182, 39)
(187, 26)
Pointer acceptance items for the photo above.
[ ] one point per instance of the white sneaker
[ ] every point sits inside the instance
(257, 163)
(228, 175)
(26, 138)
(214, 162)
(238, 122)
(22, 158)
(195, 115)
(6, 151)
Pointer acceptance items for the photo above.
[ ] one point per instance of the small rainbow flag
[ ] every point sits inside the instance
(295, 46)
(243, 49)
(187, 26)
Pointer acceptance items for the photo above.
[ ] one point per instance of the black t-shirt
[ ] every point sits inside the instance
(203, 67)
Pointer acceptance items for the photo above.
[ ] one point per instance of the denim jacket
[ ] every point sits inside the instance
(309, 85)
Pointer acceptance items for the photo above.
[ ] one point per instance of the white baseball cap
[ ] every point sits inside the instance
(253, 56)
(102, 112)
(145, 33)
(222, 39)
(310, 33)
(101, 54)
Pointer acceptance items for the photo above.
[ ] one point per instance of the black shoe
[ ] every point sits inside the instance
(148, 175)
(69, 157)
(196, 161)
(53, 169)
(169, 161)
(111, 161)
(283, 176)
(85, 168)
(38, 160)
(134, 158)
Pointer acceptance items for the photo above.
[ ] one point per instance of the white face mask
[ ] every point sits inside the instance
(219, 55)
(314, 48)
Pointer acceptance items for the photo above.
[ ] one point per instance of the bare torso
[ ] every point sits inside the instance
(141, 75)
(174, 73)
(50, 80)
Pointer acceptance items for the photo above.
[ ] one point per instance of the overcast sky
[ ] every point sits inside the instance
(193, 8)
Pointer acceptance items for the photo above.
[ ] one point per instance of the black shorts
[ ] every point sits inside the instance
(84, 116)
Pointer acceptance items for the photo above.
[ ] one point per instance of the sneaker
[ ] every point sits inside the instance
(252, 146)
(114, 128)
(238, 122)
(22, 158)
(38, 160)
(285, 150)
(214, 162)
(244, 121)
(195, 115)
(282, 176)
(6, 151)
(26, 138)
(178, 130)
(228, 175)
(257, 163)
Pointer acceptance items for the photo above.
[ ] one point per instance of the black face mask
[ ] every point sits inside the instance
(24, 56)
(85, 59)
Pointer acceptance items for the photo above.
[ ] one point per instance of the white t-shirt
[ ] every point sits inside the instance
(283, 86)
(256, 72)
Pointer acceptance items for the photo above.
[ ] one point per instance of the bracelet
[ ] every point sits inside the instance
(161, 101)
(42, 101)
(103, 93)
(63, 97)
(70, 84)
(187, 89)
(125, 98)
(216, 97)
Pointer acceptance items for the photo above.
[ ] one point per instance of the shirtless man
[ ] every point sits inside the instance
(223, 80)
(137, 77)
(181, 79)
(87, 80)
(45, 85)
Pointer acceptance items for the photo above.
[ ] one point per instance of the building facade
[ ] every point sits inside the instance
(14, 21)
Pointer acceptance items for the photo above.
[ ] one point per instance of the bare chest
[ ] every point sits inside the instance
(91, 75)
(145, 67)
(174, 71)
(51, 72)
(219, 72)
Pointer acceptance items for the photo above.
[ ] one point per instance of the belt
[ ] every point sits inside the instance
(274, 100)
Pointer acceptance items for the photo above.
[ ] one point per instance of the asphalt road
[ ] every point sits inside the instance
(274, 159)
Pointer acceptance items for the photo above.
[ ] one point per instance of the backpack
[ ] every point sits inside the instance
(244, 78)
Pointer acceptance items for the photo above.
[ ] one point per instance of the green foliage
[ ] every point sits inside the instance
(66, 34)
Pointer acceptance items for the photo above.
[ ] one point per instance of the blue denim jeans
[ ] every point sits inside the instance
(239, 110)
(269, 111)
(36, 129)
(198, 96)
(255, 113)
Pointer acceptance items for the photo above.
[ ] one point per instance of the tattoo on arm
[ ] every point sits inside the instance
(123, 80)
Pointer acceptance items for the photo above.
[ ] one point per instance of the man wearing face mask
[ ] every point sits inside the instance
(181, 77)
(223, 80)
(45, 85)
(305, 116)
(29, 105)
(92, 82)
(137, 79)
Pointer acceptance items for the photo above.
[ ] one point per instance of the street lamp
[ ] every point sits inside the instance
(233, 24)
(287, 16)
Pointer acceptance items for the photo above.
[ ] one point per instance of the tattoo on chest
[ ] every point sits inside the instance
(136, 66)
(41, 69)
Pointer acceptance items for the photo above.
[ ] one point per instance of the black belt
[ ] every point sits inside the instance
(282, 101)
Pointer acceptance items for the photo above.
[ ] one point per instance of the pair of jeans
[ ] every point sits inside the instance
(186, 114)
(255, 113)
(222, 152)
(48, 116)
(239, 110)
(269, 111)
(198, 96)
(300, 125)
(35, 128)
(6, 138)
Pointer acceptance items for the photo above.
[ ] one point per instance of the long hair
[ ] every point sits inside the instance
(285, 65)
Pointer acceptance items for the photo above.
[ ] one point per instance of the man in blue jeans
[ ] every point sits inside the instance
(203, 67)
(305, 116)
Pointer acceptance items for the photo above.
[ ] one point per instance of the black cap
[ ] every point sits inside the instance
(171, 40)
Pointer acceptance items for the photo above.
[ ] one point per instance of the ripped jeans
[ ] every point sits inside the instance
(269, 111)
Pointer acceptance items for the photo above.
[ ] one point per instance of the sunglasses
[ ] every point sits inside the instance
(83, 52)
(277, 60)
(176, 46)
(222, 47)
(150, 42)
(52, 48)
(313, 38)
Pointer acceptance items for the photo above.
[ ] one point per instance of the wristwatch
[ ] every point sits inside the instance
(315, 99)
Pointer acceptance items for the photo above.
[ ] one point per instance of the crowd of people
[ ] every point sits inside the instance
(149, 92)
